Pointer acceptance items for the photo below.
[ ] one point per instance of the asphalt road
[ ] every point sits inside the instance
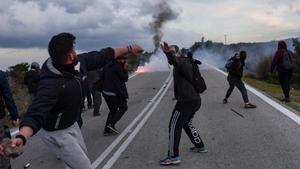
(236, 138)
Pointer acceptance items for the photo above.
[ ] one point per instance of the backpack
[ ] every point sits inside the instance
(198, 81)
(288, 61)
(229, 63)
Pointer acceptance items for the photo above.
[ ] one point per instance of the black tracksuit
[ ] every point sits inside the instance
(31, 80)
(115, 91)
(234, 78)
(60, 93)
(188, 103)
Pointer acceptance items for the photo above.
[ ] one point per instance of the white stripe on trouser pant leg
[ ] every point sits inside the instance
(172, 132)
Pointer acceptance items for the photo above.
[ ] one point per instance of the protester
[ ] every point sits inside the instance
(188, 103)
(6, 102)
(31, 79)
(284, 62)
(115, 92)
(57, 106)
(235, 66)
(95, 86)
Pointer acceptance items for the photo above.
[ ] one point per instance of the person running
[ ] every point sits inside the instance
(235, 66)
(284, 62)
(188, 103)
(6, 101)
(115, 92)
(57, 106)
(31, 79)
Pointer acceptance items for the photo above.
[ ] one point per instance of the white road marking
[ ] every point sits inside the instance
(133, 74)
(109, 149)
(273, 103)
(125, 144)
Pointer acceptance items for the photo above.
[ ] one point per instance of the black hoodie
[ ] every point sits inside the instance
(60, 93)
(183, 75)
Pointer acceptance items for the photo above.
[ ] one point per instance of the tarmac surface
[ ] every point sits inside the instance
(236, 138)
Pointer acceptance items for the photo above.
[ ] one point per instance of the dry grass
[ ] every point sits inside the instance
(275, 91)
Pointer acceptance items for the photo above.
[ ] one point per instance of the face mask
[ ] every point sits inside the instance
(75, 62)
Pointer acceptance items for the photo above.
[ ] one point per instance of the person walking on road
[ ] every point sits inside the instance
(188, 103)
(57, 106)
(31, 79)
(235, 66)
(115, 92)
(6, 102)
(284, 62)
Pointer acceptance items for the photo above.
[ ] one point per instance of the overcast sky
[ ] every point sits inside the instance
(101, 23)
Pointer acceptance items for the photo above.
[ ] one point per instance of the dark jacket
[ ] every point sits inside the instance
(31, 80)
(60, 94)
(183, 76)
(6, 98)
(115, 77)
(237, 68)
(277, 61)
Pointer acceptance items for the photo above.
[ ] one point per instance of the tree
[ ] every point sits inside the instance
(18, 71)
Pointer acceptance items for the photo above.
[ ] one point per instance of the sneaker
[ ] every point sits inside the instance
(249, 106)
(113, 129)
(198, 150)
(287, 100)
(96, 114)
(225, 101)
(109, 133)
(170, 161)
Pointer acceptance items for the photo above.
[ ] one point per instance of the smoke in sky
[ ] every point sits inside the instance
(158, 62)
(217, 56)
(165, 14)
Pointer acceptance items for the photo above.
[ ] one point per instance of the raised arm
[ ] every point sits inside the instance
(97, 59)
(170, 53)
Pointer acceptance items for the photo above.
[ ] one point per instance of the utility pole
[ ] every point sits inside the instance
(225, 36)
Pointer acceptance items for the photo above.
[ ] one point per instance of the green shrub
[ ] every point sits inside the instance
(263, 70)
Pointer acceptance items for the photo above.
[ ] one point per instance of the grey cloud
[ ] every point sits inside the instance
(96, 23)
(71, 6)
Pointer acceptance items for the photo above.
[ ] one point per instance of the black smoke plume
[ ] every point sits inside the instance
(165, 14)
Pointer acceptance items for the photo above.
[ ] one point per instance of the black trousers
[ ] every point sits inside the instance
(182, 117)
(89, 94)
(285, 81)
(234, 81)
(97, 99)
(117, 107)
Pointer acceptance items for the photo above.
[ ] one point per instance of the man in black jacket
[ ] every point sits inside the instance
(31, 79)
(115, 92)
(188, 103)
(235, 68)
(59, 98)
